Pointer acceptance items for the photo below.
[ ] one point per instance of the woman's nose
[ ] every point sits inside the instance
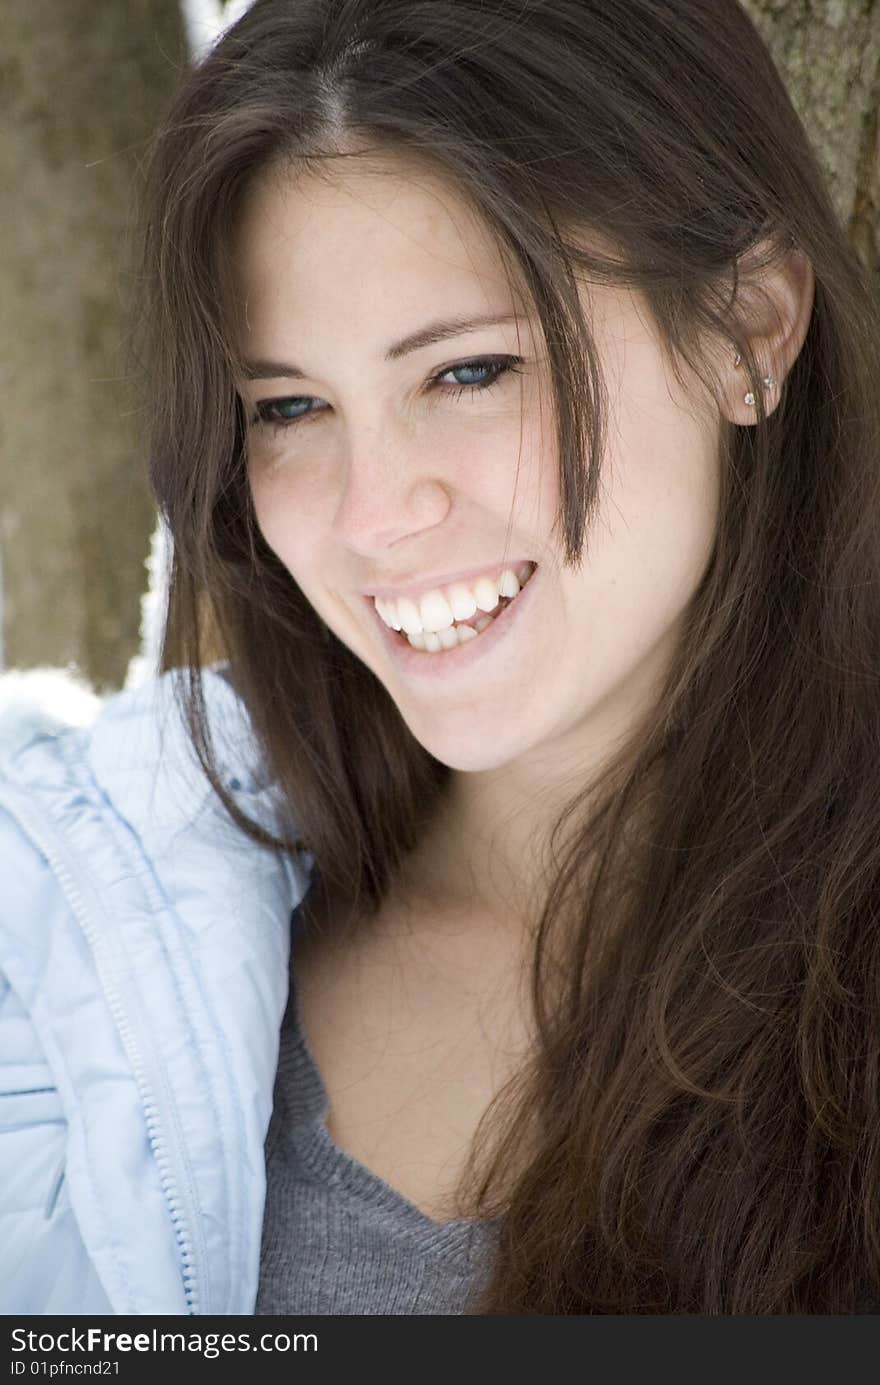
(389, 491)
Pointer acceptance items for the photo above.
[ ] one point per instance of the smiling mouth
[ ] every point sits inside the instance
(461, 631)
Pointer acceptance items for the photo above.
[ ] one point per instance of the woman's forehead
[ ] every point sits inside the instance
(352, 198)
(371, 238)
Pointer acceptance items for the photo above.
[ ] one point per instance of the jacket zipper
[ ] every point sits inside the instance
(169, 1183)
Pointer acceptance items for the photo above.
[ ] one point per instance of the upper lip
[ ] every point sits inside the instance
(414, 590)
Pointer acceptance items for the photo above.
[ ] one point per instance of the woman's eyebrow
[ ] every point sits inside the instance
(425, 336)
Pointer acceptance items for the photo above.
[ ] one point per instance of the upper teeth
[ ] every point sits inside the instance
(438, 609)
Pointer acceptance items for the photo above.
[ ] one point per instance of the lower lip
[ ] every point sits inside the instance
(448, 663)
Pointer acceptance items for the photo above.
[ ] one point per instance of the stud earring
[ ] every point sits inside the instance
(768, 383)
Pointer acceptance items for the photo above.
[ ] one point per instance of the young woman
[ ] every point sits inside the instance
(513, 407)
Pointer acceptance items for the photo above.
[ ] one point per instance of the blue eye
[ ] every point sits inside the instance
(497, 366)
(293, 408)
(279, 410)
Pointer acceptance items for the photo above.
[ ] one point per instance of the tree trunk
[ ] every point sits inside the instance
(829, 54)
(83, 88)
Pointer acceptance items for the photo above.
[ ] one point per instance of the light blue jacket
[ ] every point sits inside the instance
(144, 946)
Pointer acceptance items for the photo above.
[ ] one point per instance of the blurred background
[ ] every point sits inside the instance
(84, 84)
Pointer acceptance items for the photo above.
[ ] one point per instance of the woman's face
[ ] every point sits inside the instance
(375, 466)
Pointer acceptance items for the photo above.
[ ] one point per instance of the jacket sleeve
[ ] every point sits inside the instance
(44, 1266)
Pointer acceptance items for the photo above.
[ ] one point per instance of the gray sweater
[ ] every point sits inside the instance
(337, 1238)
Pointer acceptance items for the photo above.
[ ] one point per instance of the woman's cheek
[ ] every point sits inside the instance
(287, 485)
(270, 509)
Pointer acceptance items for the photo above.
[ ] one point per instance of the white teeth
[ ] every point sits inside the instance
(435, 611)
(508, 583)
(462, 602)
(408, 615)
(388, 613)
(486, 592)
(447, 639)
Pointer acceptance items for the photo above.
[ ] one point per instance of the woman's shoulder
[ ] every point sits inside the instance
(42, 701)
(57, 735)
(135, 726)
(105, 801)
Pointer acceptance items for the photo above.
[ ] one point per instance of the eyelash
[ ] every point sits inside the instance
(501, 365)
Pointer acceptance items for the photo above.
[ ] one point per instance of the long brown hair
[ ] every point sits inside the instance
(705, 1087)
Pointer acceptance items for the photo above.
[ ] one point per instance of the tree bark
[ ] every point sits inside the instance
(828, 52)
(83, 86)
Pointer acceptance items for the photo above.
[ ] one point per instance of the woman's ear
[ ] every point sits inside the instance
(773, 307)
